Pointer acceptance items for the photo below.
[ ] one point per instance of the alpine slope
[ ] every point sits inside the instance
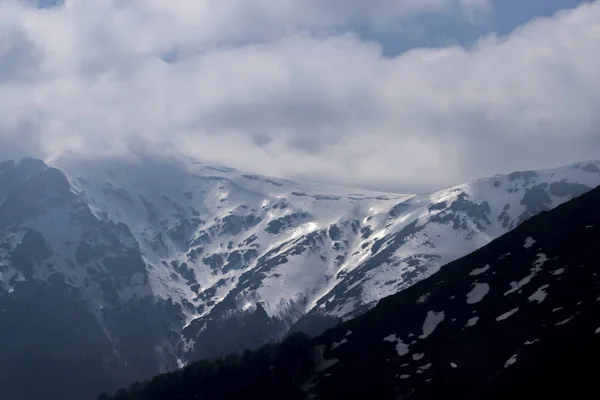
(168, 262)
(517, 318)
(224, 245)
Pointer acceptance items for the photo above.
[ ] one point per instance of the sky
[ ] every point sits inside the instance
(394, 95)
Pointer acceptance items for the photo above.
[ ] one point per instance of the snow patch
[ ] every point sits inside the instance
(507, 314)
(423, 298)
(558, 271)
(479, 291)
(479, 271)
(423, 368)
(401, 347)
(539, 263)
(418, 356)
(327, 364)
(472, 322)
(453, 365)
(510, 361)
(537, 267)
(530, 342)
(335, 345)
(563, 322)
(431, 322)
(540, 294)
(529, 241)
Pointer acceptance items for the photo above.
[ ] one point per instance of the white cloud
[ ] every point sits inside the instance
(285, 88)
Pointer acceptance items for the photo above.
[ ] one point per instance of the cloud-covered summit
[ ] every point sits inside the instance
(299, 89)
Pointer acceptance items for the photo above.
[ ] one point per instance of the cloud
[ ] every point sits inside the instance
(290, 88)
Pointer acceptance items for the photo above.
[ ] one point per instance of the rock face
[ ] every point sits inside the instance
(127, 269)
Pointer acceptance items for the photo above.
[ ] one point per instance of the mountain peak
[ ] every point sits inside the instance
(32, 164)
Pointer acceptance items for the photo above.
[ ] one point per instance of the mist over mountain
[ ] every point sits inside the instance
(393, 95)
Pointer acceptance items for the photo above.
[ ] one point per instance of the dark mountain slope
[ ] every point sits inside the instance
(77, 315)
(519, 318)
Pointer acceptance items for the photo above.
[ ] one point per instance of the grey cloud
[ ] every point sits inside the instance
(328, 106)
(19, 57)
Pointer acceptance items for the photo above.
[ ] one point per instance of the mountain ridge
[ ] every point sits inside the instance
(181, 262)
(515, 318)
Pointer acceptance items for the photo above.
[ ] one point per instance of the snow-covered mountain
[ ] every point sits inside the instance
(517, 318)
(183, 260)
(77, 312)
